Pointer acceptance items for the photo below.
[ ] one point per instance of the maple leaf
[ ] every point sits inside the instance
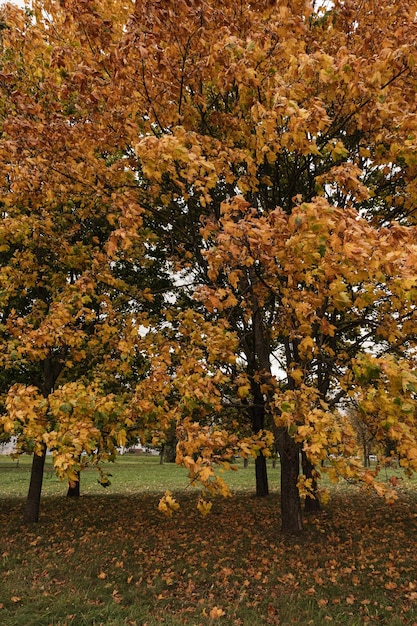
(204, 507)
(216, 612)
(168, 505)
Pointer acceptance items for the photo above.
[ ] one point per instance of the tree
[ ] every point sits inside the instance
(70, 315)
(250, 108)
(259, 155)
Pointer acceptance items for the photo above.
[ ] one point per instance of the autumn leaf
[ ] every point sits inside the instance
(216, 613)
(204, 507)
(168, 505)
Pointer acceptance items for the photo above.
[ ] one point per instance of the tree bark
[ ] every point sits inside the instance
(170, 453)
(258, 424)
(32, 505)
(51, 370)
(262, 488)
(170, 444)
(74, 488)
(311, 505)
(289, 453)
(292, 522)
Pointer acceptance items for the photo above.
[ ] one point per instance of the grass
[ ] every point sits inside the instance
(129, 474)
(111, 558)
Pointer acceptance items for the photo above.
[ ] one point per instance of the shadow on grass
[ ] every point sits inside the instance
(116, 560)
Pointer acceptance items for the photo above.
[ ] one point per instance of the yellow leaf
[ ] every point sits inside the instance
(390, 585)
(243, 391)
(216, 612)
(204, 507)
(168, 505)
(297, 375)
(306, 347)
(121, 438)
(205, 474)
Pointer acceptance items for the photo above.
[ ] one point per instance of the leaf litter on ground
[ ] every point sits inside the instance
(113, 557)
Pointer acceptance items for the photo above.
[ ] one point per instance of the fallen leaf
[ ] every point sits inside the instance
(216, 612)
(390, 585)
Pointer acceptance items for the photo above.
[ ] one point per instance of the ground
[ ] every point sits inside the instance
(111, 558)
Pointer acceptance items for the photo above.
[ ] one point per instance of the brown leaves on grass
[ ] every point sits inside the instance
(356, 559)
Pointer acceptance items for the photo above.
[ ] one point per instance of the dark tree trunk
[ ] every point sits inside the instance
(51, 370)
(311, 505)
(246, 463)
(292, 522)
(33, 500)
(366, 459)
(170, 453)
(170, 444)
(258, 423)
(262, 489)
(74, 488)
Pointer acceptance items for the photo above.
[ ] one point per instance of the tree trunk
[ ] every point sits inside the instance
(32, 505)
(262, 489)
(366, 460)
(170, 453)
(289, 453)
(74, 488)
(258, 424)
(311, 505)
(169, 448)
(51, 370)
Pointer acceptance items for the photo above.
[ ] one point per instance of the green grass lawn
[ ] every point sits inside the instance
(129, 474)
(111, 558)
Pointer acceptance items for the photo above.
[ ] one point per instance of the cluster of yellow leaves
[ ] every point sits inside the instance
(69, 214)
(329, 270)
(78, 423)
(168, 505)
(320, 260)
(207, 450)
(387, 403)
(27, 409)
(310, 421)
(246, 95)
